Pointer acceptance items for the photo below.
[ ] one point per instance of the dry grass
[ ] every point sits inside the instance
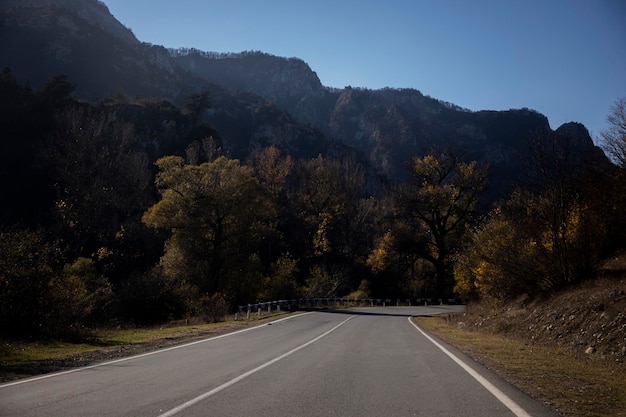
(573, 386)
(20, 359)
(20, 352)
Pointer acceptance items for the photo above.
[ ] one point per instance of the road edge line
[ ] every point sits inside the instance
(496, 392)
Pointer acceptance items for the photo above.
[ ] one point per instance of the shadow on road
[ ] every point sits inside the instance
(374, 312)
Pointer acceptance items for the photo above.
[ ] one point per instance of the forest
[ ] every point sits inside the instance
(129, 212)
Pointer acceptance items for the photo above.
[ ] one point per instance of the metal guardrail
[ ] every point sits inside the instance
(303, 303)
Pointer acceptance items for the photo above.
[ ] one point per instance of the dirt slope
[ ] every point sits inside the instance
(588, 320)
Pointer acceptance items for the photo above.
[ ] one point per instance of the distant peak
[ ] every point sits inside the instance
(576, 131)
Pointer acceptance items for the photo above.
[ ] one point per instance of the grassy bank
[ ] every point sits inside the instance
(571, 385)
(21, 359)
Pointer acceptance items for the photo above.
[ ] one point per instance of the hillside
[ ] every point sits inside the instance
(585, 321)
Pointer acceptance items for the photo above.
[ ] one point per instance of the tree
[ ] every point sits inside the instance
(545, 236)
(555, 208)
(329, 201)
(613, 192)
(438, 204)
(398, 265)
(207, 149)
(40, 297)
(58, 91)
(272, 170)
(216, 213)
(26, 119)
(103, 184)
(196, 104)
(78, 294)
(282, 282)
(25, 270)
(614, 137)
(500, 261)
(334, 216)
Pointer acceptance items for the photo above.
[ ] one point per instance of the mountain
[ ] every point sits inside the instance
(80, 38)
(387, 125)
(258, 99)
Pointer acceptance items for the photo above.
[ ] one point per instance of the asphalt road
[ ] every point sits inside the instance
(357, 362)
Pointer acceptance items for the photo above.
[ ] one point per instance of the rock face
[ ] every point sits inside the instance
(288, 82)
(260, 99)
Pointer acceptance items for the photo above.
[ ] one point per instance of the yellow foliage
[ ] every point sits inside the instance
(321, 243)
(379, 256)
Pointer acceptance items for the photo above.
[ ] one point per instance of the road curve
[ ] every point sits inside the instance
(354, 362)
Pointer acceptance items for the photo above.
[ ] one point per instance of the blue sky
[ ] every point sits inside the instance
(563, 58)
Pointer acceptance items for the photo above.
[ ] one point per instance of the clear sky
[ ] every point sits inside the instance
(563, 58)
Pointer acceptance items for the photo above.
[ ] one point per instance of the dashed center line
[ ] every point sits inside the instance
(243, 376)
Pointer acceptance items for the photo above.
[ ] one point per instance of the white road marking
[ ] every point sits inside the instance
(97, 365)
(241, 377)
(504, 399)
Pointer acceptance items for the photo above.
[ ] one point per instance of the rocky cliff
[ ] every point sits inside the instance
(388, 125)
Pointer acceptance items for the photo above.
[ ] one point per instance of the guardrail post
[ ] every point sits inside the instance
(248, 314)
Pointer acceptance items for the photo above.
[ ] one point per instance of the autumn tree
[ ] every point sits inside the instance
(397, 264)
(516, 250)
(39, 296)
(79, 294)
(556, 205)
(436, 206)
(499, 262)
(273, 169)
(334, 215)
(329, 199)
(26, 265)
(103, 184)
(546, 236)
(282, 281)
(216, 213)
